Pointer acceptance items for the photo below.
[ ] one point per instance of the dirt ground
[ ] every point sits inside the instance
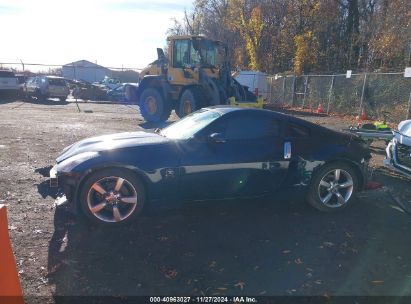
(275, 246)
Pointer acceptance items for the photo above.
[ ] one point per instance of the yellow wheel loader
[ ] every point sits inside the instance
(195, 74)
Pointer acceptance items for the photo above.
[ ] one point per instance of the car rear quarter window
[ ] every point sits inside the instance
(250, 127)
(293, 130)
(6, 74)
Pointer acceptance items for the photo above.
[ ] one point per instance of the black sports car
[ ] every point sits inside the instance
(215, 153)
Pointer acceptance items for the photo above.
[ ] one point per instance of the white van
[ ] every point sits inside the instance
(255, 81)
(8, 81)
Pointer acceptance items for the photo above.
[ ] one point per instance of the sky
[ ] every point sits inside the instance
(109, 32)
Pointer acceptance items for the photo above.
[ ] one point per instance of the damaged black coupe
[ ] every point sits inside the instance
(215, 153)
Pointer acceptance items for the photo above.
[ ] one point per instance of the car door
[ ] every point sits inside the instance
(29, 85)
(240, 155)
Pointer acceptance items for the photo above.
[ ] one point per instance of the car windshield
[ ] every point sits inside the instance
(190, 125)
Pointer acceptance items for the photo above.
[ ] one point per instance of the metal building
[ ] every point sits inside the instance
(86, 71)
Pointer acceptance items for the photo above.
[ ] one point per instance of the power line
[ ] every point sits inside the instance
(70, 65)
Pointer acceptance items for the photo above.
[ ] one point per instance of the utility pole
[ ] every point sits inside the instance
(22, 63)
(362, 93)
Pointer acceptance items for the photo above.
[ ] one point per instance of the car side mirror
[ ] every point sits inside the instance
(217, 138)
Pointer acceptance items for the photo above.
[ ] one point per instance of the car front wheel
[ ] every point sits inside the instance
(112, 197)
(333, 187)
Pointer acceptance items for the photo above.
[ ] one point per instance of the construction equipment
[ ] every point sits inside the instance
(378, 130)
(195, 74)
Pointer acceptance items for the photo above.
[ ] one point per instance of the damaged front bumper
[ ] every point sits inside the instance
(67, 183)
(53, 177)
(391, 160)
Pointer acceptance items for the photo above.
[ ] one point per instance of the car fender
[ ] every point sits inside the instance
(83, 175)
(309, 168)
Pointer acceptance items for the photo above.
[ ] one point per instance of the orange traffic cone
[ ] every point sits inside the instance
(320, 109)
(10, 290)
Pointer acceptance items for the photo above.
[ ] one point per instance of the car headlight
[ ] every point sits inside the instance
(71, 162)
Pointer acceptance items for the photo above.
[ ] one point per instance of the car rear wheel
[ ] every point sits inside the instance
(153, 107)
(333, 187)
(112, 197)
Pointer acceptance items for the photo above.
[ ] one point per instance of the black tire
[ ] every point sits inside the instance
(131, 188)
(42, 97)
(38, 95)
(153, 107)
(317, 195)
(63, 99)
(190, 101)
(28, 97)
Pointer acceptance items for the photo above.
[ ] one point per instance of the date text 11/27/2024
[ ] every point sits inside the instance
(223, 299)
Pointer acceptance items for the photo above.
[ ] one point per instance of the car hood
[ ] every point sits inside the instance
(403, 135)
(405, 127)
(110, 142)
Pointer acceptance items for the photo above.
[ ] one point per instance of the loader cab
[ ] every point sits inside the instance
(189, 54)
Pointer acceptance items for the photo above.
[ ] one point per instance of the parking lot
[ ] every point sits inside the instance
(272, 246)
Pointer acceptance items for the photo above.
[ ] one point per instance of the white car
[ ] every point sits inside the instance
(43, 87)
(8, 81)
(398, 151)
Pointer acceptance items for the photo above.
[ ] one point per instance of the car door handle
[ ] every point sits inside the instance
(287, 150)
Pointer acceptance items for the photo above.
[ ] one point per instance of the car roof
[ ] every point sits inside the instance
(55, 77)
(225, 109)
(230, 108)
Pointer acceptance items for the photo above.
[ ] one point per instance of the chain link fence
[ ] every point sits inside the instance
(374, 93)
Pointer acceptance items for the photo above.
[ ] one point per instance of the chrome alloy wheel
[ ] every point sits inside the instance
(112, 199)
(335, 188)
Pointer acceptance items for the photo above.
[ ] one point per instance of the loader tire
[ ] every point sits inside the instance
(190, 101)
(153, 106)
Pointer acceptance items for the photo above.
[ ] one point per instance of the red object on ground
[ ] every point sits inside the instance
(363, 115)
(10, 289)
(256, 92)
(371, 185)
(320, 109)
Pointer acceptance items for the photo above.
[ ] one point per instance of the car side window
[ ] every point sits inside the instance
(248, 127)
(294, 130)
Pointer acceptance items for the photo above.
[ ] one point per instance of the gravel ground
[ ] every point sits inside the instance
(274, 246)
